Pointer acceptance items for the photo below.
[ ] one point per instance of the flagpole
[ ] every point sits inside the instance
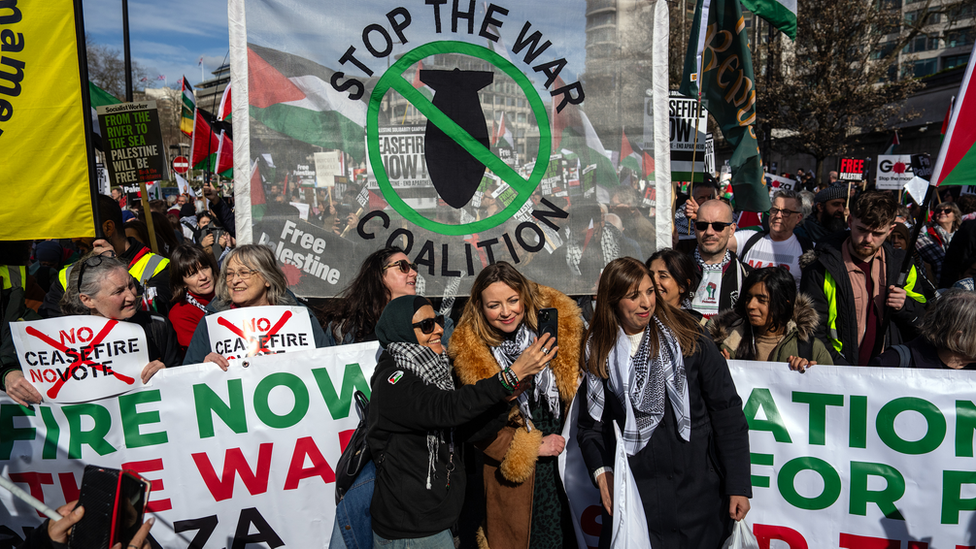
(127, 55)
(694, 151)
(86, 107)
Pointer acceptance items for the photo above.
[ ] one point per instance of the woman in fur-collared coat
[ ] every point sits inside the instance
(525, 502)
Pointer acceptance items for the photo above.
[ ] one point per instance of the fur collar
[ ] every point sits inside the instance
(728, 328)
(473, 360)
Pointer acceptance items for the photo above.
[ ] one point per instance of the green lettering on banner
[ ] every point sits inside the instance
(53, 431)
(762, 398)
(885, 499)
(934, 432)
(9, 433)
(761, 459)
(352, 379)
(952, 500)
(965, 426)
(132, 419)
(787, 487)
(94, 438)
(859, 421)
(818, 412)
(207, 403)
(263, 391)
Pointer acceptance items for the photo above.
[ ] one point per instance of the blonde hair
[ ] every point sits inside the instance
(257, 258)
(474, 309)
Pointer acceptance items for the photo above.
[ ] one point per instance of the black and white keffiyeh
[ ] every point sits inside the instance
(640, 383)
(435, 370)
(713, 267)
(545, 391)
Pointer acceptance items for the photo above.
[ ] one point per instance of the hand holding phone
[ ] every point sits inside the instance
(114, 503)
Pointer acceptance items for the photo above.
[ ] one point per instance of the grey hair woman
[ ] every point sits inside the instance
(250, 277)
(947, 340)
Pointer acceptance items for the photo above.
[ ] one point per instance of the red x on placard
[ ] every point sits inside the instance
(56, 388)
(240, 333)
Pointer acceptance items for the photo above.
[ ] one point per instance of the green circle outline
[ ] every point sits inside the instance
(385, 83)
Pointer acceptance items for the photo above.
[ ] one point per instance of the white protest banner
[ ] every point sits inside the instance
(235, 458)
(779, 183)
(251, 331)
(894, 171)
(860, 457)
(80, 358)
(327, 166)
(688, 120)
(582, 494)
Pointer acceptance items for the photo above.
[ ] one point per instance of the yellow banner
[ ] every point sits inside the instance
(44, 167)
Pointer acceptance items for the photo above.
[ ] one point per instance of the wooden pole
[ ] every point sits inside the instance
(147, 217)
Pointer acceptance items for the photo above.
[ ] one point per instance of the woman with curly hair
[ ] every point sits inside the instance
(525, 502)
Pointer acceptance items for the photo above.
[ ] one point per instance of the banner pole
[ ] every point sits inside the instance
(86, 107)
(147, 216)
(694, 153)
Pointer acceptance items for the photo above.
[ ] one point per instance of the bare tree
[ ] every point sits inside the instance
(840, 79)
(106, 69)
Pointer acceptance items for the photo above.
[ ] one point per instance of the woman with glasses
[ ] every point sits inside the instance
(384, 276)
(934, 240)
(525, 502)
(192, 278)
(652, 370)
(250, 277)
(417, 421)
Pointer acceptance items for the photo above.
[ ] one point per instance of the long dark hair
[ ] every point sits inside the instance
(357, 309)
(682, 270)
(781, 288)
(619, 279)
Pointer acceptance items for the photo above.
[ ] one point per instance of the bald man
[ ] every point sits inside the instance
(722, 272)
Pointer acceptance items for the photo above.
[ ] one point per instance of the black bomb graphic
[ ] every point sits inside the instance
(453, 171)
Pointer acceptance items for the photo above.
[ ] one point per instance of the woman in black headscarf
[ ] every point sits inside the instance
(417, 421)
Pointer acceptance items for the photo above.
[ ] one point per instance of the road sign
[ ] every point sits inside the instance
(181, 165)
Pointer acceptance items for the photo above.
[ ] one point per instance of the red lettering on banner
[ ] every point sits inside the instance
(590, 521)
(235, 464)
(271, 331)
(767, 532)
(853, 541)
(34, 482)
(966, 547)
(147, 466)
(344, 437)
(305, 446)
(69, 486)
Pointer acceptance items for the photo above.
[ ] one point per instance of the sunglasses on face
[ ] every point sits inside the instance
(427, 325)
(719, 226)
(943, 211)
(404, 267)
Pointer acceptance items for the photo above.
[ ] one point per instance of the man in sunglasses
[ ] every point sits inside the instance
(150, 270)
(721, 271)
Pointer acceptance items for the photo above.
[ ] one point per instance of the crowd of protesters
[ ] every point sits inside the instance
(818, 281)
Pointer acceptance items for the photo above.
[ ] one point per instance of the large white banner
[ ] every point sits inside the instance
(237, 457)
(842, 457)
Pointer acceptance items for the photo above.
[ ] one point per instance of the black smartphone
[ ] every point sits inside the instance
(114, 503)
(547, 323)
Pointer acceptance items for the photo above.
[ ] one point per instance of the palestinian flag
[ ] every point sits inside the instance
(206, 141)
(294, 96)
(956, 164)
(225, 110)
(629, 158)
(189, 108)
(224, 164)
(99, 98)
(502, 137)
(419, 85)
(894, 142)
(780, 13)
(572, 132)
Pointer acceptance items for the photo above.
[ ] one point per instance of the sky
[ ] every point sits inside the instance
(169, 38)
(166, 38)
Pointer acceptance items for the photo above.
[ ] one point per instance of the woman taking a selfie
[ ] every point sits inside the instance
(525, 502)
(652, 370)
(416, 424)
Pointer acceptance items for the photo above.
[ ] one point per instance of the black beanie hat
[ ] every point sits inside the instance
(394, 325)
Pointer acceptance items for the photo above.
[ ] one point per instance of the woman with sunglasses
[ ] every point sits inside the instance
(652, 370)
(525, 502)
(417, 421)
(384, 276)
(934, 240)
(250, 277)
(102, 286)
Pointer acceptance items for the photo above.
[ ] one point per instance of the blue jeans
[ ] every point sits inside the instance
(352, 528)
(441, 540)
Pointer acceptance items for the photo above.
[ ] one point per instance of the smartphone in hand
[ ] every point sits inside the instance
(114, 503)
(548, 323)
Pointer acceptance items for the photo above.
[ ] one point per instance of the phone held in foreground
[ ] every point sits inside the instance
(114, 503)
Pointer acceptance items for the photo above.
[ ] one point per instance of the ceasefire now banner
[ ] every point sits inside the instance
(841, 457)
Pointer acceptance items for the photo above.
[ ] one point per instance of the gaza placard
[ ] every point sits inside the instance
(80, 358)
(253, 331)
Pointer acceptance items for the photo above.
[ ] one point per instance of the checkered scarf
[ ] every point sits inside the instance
(640, 383)
(545, 390)
(715, 267)
(433, 368)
